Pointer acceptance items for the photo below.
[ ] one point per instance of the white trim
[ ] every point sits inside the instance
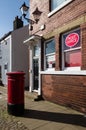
(72, 49)
(72, 68)
(50, 54)
(82, 72)
(10, 53)
(50, 69)
(31, 41)
(39, 89)
(5, 40)
(30, 71)
(59, 7)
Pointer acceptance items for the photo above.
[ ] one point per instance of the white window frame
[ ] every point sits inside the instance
(59, 7)
(45, 55)
(63, 51)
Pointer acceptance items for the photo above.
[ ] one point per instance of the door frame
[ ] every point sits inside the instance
(35, 40)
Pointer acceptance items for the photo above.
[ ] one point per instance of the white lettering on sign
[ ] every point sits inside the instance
(72, 39)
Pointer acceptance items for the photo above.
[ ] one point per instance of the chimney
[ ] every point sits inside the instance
(17, 23)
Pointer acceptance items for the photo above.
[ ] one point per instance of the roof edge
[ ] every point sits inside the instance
(6, 35)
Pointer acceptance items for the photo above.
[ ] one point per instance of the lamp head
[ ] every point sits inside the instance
(36, 14)
(24, 9)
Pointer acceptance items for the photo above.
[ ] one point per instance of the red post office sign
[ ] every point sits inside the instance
(72, 39)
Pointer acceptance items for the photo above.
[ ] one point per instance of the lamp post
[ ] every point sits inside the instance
(36, 14)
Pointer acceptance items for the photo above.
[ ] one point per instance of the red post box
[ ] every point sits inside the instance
(15, 104)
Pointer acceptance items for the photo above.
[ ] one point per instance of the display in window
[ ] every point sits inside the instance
(71, 39)
(50, 54)
(50, 61)
(71, 49)
(72, 58)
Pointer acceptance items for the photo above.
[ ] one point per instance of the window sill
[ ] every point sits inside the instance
(72, 69)
(50, 69)
(75, 72)
(58, 8)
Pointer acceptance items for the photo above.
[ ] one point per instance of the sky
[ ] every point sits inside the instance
(9, 9)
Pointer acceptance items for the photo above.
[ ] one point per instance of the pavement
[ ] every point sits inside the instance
(40, 115)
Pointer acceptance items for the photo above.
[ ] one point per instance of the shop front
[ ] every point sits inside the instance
(64, 77)
(57, 52)
(56, 69)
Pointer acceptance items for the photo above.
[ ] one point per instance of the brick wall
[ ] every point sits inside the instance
(83, 41)
(65, 90)
(69, 13)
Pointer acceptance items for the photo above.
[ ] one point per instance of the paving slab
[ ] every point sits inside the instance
(40, 115)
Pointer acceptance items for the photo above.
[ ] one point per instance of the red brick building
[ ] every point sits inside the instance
(57, 49)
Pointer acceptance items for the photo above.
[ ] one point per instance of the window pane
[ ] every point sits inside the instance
(50, 61)
(50, 54)
(72, 58)
(5, 66)
(56, 3)
(50, 47)
(71, 39)
(36, 51)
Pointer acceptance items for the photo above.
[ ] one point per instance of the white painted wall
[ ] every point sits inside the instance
(15, 54)
(5, 51)
(20, 52)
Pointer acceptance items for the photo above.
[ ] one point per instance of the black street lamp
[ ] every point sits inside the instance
(36, 14)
